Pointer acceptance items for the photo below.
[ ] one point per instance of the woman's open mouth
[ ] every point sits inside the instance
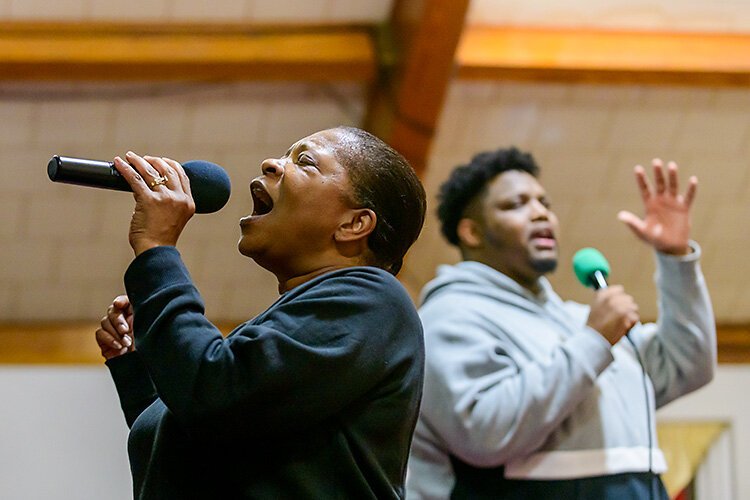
(262, 202)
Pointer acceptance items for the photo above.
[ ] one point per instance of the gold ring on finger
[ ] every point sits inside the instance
(158, 181)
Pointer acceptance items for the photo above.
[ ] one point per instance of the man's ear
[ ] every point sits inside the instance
(469, 233)
(358, 225)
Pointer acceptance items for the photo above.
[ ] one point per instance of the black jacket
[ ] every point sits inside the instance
(317, 397)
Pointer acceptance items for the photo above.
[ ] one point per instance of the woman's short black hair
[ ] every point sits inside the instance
(383, 181)
(467, 181)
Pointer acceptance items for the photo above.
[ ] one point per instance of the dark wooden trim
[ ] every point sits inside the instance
(734, 344)
(73, 343)
(54, 344)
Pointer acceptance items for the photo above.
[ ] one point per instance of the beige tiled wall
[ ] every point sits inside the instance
(588, 139)
(64, 248)
(69, 243)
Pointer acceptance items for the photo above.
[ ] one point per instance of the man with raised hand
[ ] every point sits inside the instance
(528, 396)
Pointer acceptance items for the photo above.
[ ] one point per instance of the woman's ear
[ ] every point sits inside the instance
(469, 233)
(358, 225)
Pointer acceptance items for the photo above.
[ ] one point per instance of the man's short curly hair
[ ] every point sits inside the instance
(467, 181)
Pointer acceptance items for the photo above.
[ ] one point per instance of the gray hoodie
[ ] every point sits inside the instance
(518, 380)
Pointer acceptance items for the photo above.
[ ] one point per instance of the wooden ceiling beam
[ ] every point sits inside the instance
(696, 59)
(419, 57)
(186, 53)
(417, 64)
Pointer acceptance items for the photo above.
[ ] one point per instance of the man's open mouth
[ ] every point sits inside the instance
(543, 238)
(546, 234)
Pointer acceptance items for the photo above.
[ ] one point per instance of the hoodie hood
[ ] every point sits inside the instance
(470, 278)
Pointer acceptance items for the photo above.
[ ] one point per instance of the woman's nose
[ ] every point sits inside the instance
(272, 166)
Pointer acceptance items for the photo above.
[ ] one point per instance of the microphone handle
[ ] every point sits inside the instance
(598, 280)
(84, 172)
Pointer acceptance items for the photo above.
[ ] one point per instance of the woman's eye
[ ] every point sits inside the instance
(305, 160)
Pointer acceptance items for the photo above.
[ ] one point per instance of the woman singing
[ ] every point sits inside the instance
(316, 397)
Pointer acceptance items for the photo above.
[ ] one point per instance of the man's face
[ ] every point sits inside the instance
(518, 229)
(298, 203)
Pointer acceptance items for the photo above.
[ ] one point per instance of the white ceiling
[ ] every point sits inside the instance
(671, 15)
(257, 11)
(682, 15)
(64, 248)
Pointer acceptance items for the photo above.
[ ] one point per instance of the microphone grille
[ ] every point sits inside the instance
(588, 260)
(210, 185)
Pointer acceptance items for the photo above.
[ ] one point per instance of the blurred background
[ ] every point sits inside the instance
(590, 87)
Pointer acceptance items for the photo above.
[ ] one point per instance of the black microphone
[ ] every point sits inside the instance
(591, 268)
(209, 183)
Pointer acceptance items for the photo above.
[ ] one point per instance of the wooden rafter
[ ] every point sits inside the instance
(423, 34)
(498, 53)
(202, 53)
(405, 107)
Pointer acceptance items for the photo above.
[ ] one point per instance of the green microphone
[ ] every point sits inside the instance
(591, 268)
